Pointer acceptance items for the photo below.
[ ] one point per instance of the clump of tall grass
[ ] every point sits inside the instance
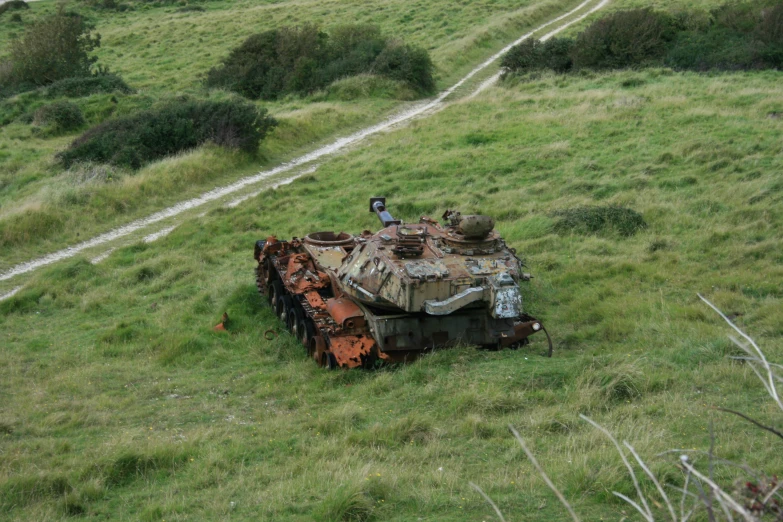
(346, 502)
(597, 219)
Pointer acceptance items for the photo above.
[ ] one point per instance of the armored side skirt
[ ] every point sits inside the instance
(404, 332)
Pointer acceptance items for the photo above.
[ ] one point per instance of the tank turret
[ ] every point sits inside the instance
(391, 295)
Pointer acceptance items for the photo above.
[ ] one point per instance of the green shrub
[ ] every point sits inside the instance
(740, 36)
(769, 31)
(305, 59)
(716, 48)
(61, 116)
(733, 36)
(13, 5)
(531, 55)
(79, 87)
(54, 48)
(593, 220)
(624, 39)
(150, 135)
(556, 54)
(271, 63)
(523, 57)
(737, 17)
(406, 63)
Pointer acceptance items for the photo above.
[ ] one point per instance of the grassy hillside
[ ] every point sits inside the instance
(117, 400)
(163, 53)
(162, 49)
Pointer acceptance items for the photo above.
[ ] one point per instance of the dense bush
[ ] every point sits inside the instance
(13, 5)
(61, 116)
(624, 39)
(717, 48)
(78, 87)
(533, 55)
(53, 48)
(304, 59)
(770, 32)
(150, 135)
(406, 63)
(739, 36)
(734, 36)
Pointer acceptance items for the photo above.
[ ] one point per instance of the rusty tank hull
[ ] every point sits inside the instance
(354, 301)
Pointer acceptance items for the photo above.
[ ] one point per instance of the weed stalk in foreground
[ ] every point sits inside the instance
(750, 503)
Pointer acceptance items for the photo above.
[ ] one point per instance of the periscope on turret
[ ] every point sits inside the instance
(389, 296)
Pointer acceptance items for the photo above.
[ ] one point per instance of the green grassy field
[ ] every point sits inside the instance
(118, 401)
(164, 53)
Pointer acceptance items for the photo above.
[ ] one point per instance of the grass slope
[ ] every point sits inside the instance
(164, 53)
(117, 400)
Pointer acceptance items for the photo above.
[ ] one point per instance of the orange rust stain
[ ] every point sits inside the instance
(345, 313)
(315, 300)
(302, 275)
(348, 349)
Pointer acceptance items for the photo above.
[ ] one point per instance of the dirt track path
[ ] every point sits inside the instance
(250, 186)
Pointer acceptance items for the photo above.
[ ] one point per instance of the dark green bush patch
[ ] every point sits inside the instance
(86, 86)
(406, 63)
(735, 36)
(598, 219)
(624, 39)
(174, 127)
(304, 59)
(532, 55)
(58, 117)
(13, 5)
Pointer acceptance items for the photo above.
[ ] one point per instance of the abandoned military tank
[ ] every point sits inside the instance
(389, 296)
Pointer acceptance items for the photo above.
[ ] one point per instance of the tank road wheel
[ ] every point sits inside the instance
(293, 320)
(304, 330)
(269, 270)
(328, 361)
(316, 348)
(283, 308)
(275, 291)
(260, 283)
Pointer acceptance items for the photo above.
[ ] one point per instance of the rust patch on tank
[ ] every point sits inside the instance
(351, 351)
(345, 313)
